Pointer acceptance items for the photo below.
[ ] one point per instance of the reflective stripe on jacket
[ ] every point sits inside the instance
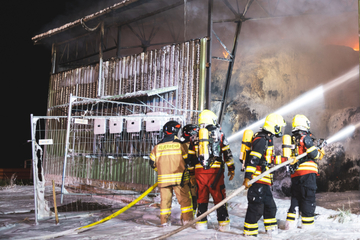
(306, 168)
(261, 152)
(304, 143)
(168, 158)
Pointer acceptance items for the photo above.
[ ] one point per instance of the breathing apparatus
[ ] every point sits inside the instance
(287, 146)
(245, 147)
(214, 140)
(207, 123)
(204, 156)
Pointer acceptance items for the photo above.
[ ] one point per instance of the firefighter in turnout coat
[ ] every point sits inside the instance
(208, 156)
(168, 159)
(189, 134)
(303, 174)
(260, 159)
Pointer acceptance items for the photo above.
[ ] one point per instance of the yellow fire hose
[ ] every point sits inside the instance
(236, 192)
(84, 228)
(120, 211)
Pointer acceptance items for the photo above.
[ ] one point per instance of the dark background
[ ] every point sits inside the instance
(26, 67)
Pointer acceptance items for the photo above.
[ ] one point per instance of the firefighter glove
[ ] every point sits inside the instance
(322, 153)
(246, 183)
(193, 180)
(231, 174)
(294, 166)
(294, 160)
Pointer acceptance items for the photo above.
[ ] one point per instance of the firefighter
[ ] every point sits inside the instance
(260, 159)
(168, 159)
(189, 134)
(303, 174)
(208, 156)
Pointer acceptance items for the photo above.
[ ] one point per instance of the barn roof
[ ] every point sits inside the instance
(131, 10)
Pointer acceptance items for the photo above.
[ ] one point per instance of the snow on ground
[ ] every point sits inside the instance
(140, 222)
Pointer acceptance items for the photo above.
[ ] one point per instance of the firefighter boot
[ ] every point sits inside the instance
(307, 222)
(289, 225)
(292, 220)
(223, 219)
(202, 224)
(307, 227)
(165, 220)
(272, 231)
(183, 223)
(166, 224)
(224, 226)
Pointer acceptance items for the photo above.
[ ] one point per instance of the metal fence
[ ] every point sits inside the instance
(96, 145)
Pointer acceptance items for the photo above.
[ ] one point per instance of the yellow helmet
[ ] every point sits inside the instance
(207, 117)
(273, 123)
(300, 122)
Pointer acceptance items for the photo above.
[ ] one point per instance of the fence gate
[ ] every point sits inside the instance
(48, 144)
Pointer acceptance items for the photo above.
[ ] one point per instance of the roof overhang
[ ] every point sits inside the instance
(131, 10)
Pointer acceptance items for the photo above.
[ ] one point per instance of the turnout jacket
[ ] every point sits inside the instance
(226, 156)
(261, 157)
(304, 143)
(168, 159)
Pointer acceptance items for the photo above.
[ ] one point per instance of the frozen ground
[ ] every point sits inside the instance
(140, 222)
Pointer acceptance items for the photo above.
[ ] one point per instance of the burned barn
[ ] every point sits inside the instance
(119, 73)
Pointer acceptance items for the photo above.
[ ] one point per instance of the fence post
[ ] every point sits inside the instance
(66, 146)
(34, 165)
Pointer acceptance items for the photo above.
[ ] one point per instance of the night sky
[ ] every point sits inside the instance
(29, 66)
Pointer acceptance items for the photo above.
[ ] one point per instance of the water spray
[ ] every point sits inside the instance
(303, 100)
(349, 130)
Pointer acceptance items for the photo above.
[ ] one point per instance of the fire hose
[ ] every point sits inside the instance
(236, 192)
(121, 210)
(84, 228)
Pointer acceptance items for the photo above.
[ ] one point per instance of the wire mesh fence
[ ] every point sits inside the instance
(95, 146)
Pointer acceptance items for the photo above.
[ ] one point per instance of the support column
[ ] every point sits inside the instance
(100, 88)
(202, 71)
(229, 72)
(209, 56)
(118, 42)
(185, 19)
(53, 59)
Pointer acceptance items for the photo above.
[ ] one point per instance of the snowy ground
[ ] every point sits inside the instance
(140, 222)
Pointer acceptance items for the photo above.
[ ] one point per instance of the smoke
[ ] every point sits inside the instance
(303, 100)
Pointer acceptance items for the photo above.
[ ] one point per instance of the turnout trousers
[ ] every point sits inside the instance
(260, 203)
(204, 181)
(303, 189)
(183, 196)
